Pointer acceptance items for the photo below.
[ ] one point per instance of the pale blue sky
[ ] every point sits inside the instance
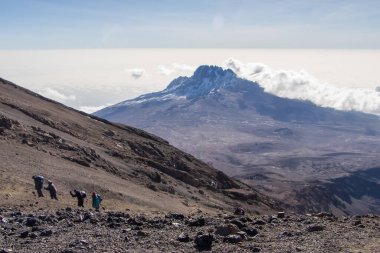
(59, 24)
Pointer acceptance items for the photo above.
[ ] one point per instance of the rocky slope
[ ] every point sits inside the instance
(73, 231)
(283, 147)
(130, 168)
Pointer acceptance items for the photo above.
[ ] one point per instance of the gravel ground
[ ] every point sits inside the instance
(71, 231)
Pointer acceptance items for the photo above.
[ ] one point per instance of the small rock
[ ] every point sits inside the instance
(204, 241)
(259, 222)
(67, 251)
(251, 231)
(176, 216)
(46, 233)
(24, 234)
(132, 221)
(109, 133)
(141, 233)
(272, 219)
(226, 229)
(281, 215)
(33, 235)
(199, 222)
(183, 237)
(287, 234)
(31, 222)
(238, 223)
(176, 224)
(322, 215)
(315, 228)
(245, 219)
(83, 242)
(232, 239)
(255, 249)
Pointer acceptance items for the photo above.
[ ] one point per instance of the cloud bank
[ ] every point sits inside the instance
(301, 85)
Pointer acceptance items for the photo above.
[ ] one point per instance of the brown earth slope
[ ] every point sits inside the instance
(130, 168)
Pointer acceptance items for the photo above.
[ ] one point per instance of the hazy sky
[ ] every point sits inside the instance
(326, 51)
(54, 24)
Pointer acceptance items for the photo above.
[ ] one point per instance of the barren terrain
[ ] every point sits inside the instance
(73, 231)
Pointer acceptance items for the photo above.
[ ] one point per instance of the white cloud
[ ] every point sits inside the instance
(183, 67)
(163, 70)
(301, 85)
(56, 95)
(176, 68)
(136, 72)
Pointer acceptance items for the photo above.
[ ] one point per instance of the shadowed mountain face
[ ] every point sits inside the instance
(130, 168)
(279, 145)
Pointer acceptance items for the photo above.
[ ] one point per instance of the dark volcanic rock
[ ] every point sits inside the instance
(259, 222)
(232, 239)
(31, 222)
(251, 231)
(204, 241)
(315, 228)
(281, 215)
(47, 233)
(238, 223)
(198, 222)
(176, 216)
(24, 234)
(226, 229)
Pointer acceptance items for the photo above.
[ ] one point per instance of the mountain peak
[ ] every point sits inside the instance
(205, 80)
(212, 72)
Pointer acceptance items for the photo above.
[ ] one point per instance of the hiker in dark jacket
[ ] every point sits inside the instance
(39, 184)
(53, 191)
(80, 195)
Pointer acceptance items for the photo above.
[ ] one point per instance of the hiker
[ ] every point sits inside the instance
(53, 191)
(39, 184)
(80, 195)
(96, 200)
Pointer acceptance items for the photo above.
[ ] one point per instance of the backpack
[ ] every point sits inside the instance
(39, 179)
(83, 194)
